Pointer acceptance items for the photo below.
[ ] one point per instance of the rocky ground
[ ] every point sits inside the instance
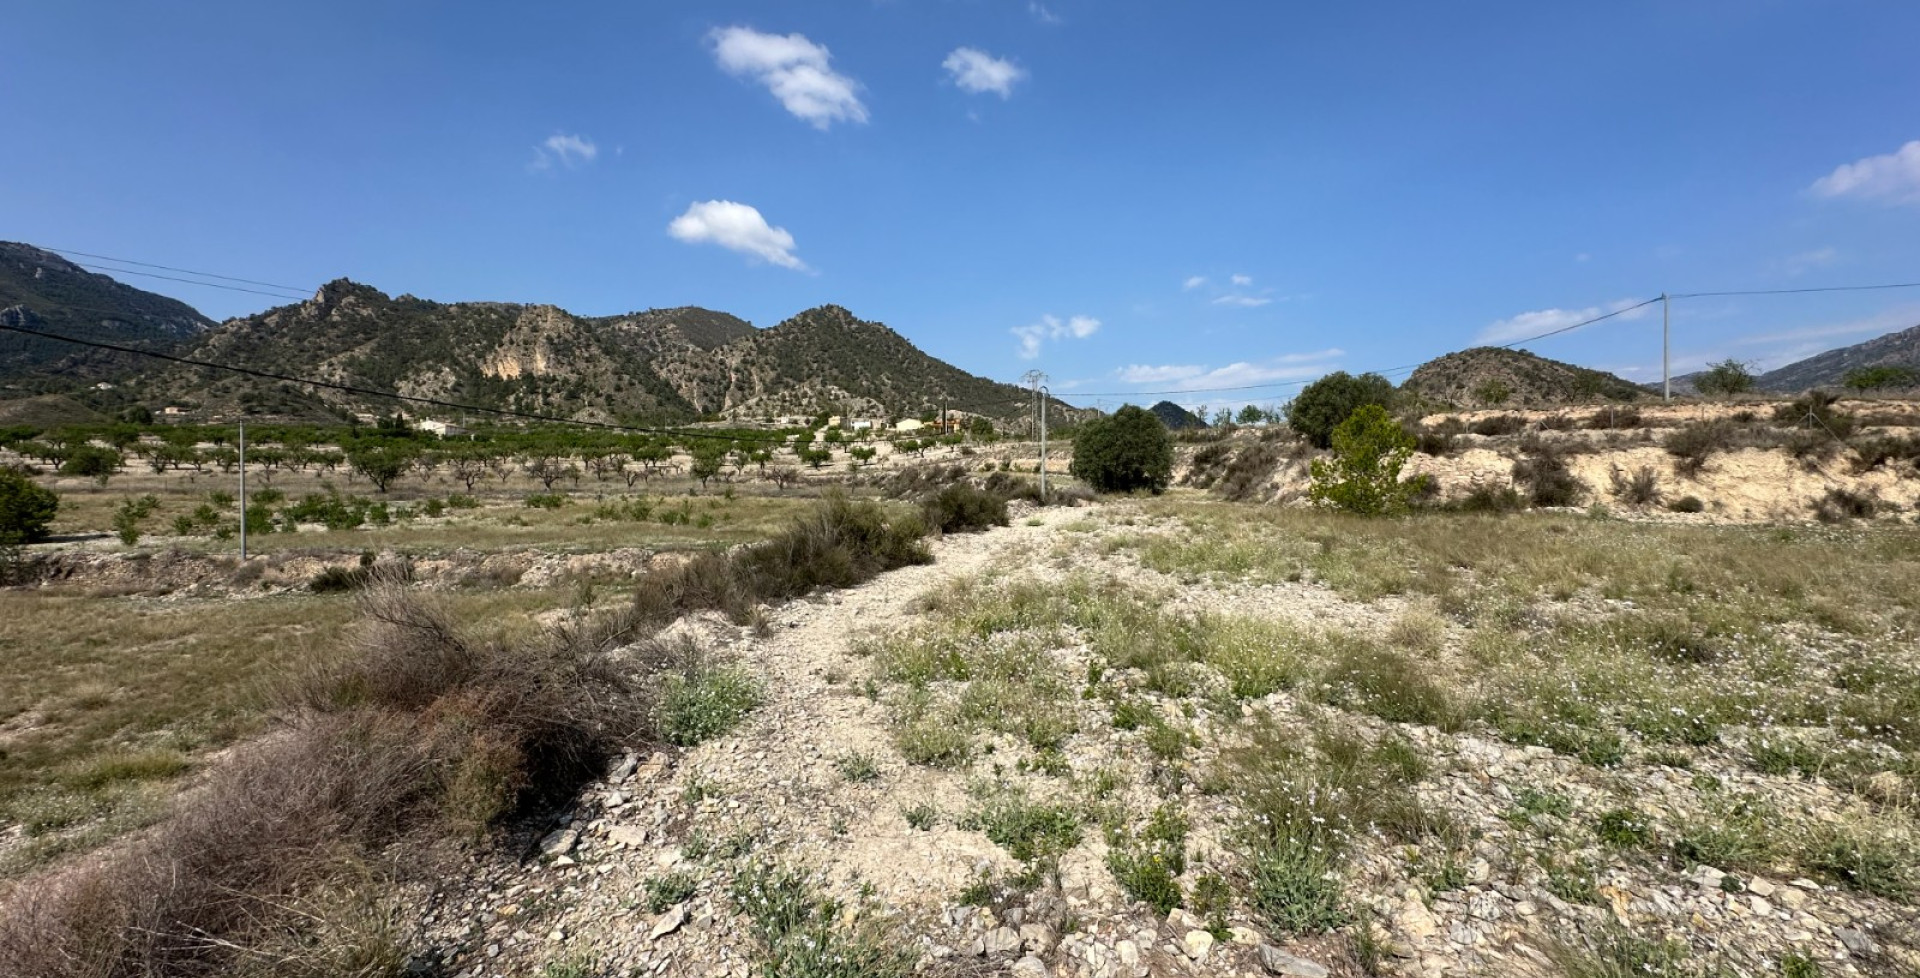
(641, 875)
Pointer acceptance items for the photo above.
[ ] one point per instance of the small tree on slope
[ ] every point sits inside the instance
(1363, 476)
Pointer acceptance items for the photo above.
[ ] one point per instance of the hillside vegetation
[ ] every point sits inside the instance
(42, 291)
(1493, 377)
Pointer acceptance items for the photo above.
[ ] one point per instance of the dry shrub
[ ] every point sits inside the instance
(963, 508)
(1489, 497)
(1816, 410)
(1249, 472)
(414, 730)
(1692, 445)
(1547, 480)
(1641, 488)
(1871, 453)
(1438, 441)
(1499, 424)
(1615, 418)
(839, 544)
(1839, 505)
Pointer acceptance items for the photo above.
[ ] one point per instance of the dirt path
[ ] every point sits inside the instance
(773, 784)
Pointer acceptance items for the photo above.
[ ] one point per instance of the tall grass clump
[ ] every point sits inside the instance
(1306, 803)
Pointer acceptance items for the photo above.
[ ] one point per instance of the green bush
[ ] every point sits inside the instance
(26, 508)
(1147, 864)
(1131, 450)
(93, 462)
(1369, 449)
(704, 703)
(1326, 403)
(132, 512)
(1877, 378)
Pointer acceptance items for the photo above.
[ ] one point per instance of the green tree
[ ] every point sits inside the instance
(1250, 414)
(1876, 378)
(382, 465)
(93, 462)
(707, 460)
(1725, 378)
(26, 508)
(1322, 405)
(1128, 451)
(1363, 476)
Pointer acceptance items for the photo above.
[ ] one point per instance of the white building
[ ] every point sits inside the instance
(445, 429)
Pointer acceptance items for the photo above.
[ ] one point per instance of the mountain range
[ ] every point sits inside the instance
(658, 365)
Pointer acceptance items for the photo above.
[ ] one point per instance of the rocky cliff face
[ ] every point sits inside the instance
(662, 365)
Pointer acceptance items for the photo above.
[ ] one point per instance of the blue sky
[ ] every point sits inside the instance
(1128, 195)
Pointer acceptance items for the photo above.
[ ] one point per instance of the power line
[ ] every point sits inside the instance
(184, 271)
(363, 391)
(172, 278)
(1829, 288)
(1385, 373)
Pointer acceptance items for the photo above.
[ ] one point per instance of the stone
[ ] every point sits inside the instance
(1760, 905)
(560, 842)
(1278, 962)
(1029, 967)
(1479, 871)
(1791, 897)
(1858, 944)
(1415, 921)
(631, 836)
(1245, 936)
(668, 922)
(1038, 938)
(1001, 940)
(1180, 919)
(1760, 887)
(1196, 944)
(1128, 953)
(622, 770)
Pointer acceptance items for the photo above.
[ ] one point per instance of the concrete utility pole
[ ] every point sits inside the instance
(243, 490)
(1666, 330)
(1039, 380)
(1044, 396)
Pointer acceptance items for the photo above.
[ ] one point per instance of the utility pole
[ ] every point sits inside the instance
(1044, 396)
(1039, 380)
(243, 490)
(1666, 332)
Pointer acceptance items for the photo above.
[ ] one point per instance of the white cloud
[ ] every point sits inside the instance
(736, 227)
(1242, 301)
(1809, 260)
(1242, 281)
(1193, 282)
(1179, 376)
(1891, 177)
(1042, 14)
(1053, 328)
(566, 150)
(1547, 320)
(976, 71)
(797, 71)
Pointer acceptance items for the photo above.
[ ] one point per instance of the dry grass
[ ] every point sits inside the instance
(110, 699)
